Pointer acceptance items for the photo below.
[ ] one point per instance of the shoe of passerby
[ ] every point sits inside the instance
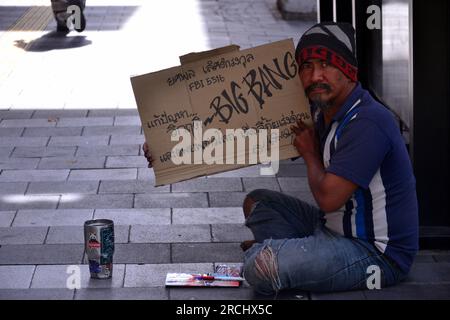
(61, 14)
(62, 28)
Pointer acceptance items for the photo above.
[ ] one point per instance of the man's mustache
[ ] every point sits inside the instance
(317, 86)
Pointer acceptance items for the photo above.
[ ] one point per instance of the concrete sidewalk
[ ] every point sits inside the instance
(70, 141)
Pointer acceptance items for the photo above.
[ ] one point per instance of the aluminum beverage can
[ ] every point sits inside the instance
(99, 246)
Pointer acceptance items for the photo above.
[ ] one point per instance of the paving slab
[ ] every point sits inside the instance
(207, 215)
(16, 114)
(41, 254)
(135, 216)
(126, 162)
(107, 130)
(112, 112)
(105, 174)
(204, 184)
(294, 184)
(14, 123)
(228, 199)
(23, 141)
(35, 152)
(206, 252)
(72, 163)
(131, 186)
(108, 150)
(23, 235)
(52, 132)
(6, 151)
(33, 175)
(104, 201)
(169, 233)
(13, 187)
(292, 170)
(260, 182)
(146, 174)
(142, 253)
(127, 139)
(85, 121)
(56, 276)
(127, 121)
(231, 232)
(79, 141)
(19, 163)
(15, 277)
(36, 294)
(11, 132)
(66, 217)
(58, 113)
(63, 187)
(6, 218)
(171, 200)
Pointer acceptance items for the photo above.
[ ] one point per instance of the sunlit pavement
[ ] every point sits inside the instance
(91, 69)
(70, 142)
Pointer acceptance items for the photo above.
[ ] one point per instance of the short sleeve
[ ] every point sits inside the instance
(360, 151)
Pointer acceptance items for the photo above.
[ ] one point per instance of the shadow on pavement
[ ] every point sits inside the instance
(53, 41)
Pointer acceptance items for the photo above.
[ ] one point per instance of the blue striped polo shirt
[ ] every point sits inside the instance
(363, 144)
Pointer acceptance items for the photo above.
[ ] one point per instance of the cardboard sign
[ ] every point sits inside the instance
(223, 89)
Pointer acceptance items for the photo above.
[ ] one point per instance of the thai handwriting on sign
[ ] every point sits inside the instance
(198, 84)
(284, 120)
(181, 76)
(164, 118)
(261, 82)
(227, 63)
(263, 123)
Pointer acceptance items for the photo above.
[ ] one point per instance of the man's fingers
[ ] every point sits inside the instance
(301, 124)
(296, 130)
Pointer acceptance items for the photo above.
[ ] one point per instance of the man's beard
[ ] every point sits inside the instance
(316, 101)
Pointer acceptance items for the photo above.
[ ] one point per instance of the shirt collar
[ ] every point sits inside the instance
(349, 102)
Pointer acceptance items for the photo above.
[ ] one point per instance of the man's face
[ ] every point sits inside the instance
(322, 82)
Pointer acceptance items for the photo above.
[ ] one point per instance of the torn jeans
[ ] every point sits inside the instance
(295, 250)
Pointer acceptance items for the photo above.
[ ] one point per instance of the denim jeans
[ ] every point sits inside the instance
(295, 250)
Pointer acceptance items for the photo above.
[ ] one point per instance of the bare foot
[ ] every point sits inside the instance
(245, 245)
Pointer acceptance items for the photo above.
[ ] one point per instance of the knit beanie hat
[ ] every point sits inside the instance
(333, 42)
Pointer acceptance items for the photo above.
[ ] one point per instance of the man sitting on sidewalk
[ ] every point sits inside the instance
(360, 175)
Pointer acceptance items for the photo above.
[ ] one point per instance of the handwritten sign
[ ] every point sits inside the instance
(252, 90)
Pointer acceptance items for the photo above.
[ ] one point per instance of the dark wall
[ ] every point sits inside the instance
(431, 38)
(368, 49)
